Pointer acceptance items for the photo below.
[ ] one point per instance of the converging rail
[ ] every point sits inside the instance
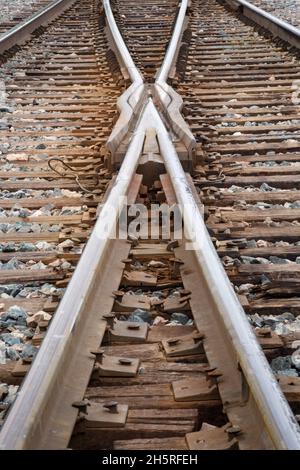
(113, 371)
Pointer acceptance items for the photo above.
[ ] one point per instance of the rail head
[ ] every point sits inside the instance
(279, 420)
(131, 100)
(29, 415)
(170, 99)
(21, 32)
(277, 26)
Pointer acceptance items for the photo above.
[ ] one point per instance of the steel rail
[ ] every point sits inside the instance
(21, 32)
(170, 99)
(24, 425)
(278, 417)
(130, 101)
(275, 25)
(29, 414)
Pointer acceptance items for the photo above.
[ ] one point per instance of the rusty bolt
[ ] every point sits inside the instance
(111, 406)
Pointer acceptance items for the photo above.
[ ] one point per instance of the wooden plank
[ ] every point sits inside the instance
(168, 189)
(170, 443)
(260, 215)
(145, 352)
(32, 305)
(37, 203)
(161, 332)
(10, 276)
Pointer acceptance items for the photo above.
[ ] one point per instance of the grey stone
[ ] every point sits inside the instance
(266, 187)
(54, 228)
(12, 354)
(289, 372)
(180, 318)
(12, 264)
(281, 363)
(296, 358)
(28, 332)
(17, 313)
(286, 316)
(27, 247)
(277, 260)
(158, 293)
(251, 244)
(140, 315)
(281, 329)
(11, 396)
(264, 279)
(3, 390)
(38, 266)
(29, 351)
(8, 247)
(24, 213)
(9, 339)
(256, 320)
(6, 109)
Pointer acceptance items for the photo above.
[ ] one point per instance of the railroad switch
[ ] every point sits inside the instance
(212, 438)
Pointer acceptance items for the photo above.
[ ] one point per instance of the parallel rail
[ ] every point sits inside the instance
(23, 30)
(51, 385)
(275, 25)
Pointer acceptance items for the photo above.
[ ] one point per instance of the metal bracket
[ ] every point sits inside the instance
(290, 387)
(131, 302)
(176, 304)
(138, 278)
(109, 414)
(184, 345)
(128, 331)
(199, 388)
(212, 438)
(21, 368)
(111, 366)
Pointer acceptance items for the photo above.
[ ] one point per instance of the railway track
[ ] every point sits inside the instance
(147, 31)
(58, 112)
(240, 102)
(288, 10)
(11, 15)
(145, 352)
